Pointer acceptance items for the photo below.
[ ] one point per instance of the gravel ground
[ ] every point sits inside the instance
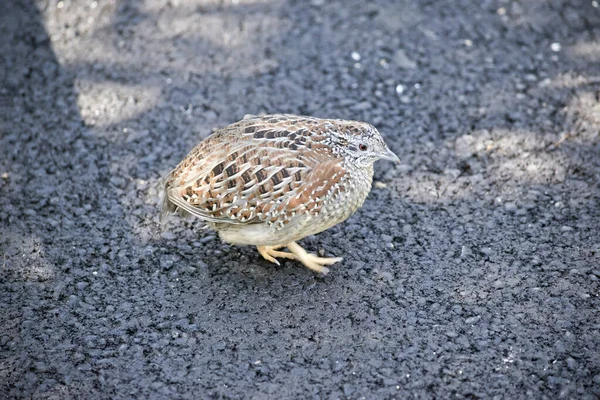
(472, 270)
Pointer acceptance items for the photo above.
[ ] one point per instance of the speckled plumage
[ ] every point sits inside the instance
(272, 180)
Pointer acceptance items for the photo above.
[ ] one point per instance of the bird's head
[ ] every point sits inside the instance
(362, 144)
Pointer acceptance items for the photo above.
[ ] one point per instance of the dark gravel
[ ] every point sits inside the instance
(472, 270)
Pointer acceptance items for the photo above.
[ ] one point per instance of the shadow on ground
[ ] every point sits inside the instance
(470, 271)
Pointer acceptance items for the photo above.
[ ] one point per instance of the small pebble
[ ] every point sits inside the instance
(465, 251)
(486, 250)
(207, 239)
(530, 78)
(168, 235)
(402, 60)
(118, 181)
(365, 105)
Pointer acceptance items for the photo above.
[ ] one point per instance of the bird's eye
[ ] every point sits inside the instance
(362, 147)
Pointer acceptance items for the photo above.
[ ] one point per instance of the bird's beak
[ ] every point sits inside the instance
(390, 156)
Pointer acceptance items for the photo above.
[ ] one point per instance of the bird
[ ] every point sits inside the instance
(271, 180)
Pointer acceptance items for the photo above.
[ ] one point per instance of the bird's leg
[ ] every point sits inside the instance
(310, 260)
(269, 253)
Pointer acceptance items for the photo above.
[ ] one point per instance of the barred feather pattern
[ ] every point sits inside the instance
(274, 170)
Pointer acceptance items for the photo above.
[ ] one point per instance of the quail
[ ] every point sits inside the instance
(272, 180)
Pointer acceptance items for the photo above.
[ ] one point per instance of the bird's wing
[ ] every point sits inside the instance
(257, 171)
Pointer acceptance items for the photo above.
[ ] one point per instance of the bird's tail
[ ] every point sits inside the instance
(167, 206)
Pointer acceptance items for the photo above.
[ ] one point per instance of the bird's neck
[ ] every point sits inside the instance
(363, 173)
(362, 177)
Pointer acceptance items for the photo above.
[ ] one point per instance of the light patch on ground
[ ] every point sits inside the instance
(205, 5)
(106, 103)
(519, 157)
(227, 40)
(568, 80)
(493, 163)
(24, 259)
(589, 51)
(585, 108)
(529, 169)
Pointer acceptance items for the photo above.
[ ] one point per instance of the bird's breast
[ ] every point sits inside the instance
(356, 188)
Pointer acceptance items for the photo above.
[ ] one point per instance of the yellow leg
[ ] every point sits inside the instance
(269, 253)
(310, 260)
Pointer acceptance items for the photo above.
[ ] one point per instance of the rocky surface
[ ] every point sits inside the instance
(471, 271)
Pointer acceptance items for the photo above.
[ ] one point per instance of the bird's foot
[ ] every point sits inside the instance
(270, 252)
(312, 261)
